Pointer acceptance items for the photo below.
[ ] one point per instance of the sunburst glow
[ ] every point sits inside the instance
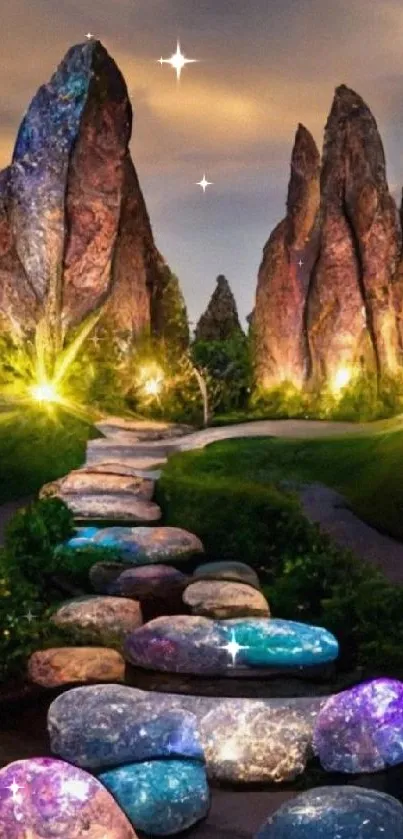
(45, 392)
(341, 379)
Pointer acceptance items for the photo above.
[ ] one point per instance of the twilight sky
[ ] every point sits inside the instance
(265, 65)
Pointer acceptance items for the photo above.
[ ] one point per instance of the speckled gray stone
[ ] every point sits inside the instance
(224, 599)
(226, 570)
(93, 619)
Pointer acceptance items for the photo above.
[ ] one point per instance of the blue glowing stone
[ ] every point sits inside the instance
(160, 797)
(282, 643)
(361, 730)
(337, 813)
(97, 729)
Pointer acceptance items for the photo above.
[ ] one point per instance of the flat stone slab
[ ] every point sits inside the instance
(342, 812)
(119, 506)
(99, 483)
(198, 645)
(243, 740)
(99, 451)
(42, 798)
(149, 582)
(226, 570)
(160, 797)
(361, 729)
(114, 468)
(97, 619)
(224, 599)
(65, 665)
(142, 545)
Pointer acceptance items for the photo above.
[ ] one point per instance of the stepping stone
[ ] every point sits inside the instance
(65, 665)
(330, 812)
(111, 451)
(52, 798)
(149, 582)
(222, 599)
(88, 483)
(243, 740)
(226, 570)
(122, 732)
(160, 797)
(361, 730)
(105, 620)
(103, 574)
(259, 745)
(113, 506)
(143, 545)
(115, 468)
(114, 426)
(188, 644)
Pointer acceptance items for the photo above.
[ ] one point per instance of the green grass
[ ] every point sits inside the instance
(35, 448)
(367, 467)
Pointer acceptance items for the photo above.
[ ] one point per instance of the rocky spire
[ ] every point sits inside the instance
(220, 321)
(281, 347)
(351, 317)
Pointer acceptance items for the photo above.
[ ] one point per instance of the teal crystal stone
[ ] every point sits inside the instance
(160, 797)
(281, 643)
(336, 813)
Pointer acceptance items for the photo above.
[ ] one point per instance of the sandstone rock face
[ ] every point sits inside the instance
(351, 317)
(360, 730)
(75, 237)
(189, 644)
(345, 812)
(329, 294)
(284, 276)
(64, 666)
(160, 797)
(52, 798)
(220, 321)
(105, 620)
(224, 599)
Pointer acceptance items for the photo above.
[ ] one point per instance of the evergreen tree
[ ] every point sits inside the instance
(220, 321)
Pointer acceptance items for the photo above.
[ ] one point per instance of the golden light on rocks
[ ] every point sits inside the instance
(341, 379)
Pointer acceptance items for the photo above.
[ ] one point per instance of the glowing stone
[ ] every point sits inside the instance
(119, 726)
(361, 730)
(43, 798)
(142, 545)
(336, 813)
(193, 644)
(160, 797)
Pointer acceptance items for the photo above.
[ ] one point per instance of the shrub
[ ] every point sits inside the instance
(229, 367)
(32, 537)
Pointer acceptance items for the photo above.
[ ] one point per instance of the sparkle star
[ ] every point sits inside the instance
(89, 36)
(204, 183)
(14, 789)
(177, 61)
(233, 648)
(29, 616)
(300, 263)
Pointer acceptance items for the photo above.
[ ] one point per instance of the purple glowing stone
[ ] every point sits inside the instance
(44, 798)
(361, 730)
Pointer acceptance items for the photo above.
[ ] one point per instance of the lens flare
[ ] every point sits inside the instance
(44, 392)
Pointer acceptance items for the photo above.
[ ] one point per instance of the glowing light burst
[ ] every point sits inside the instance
(233, 648)
(204, 183)
(178, 61)
(151, 380)
(341, 379)
(45, 392)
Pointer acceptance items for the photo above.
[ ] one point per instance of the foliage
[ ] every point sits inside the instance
(228, 365)
(32, 536)
(169, 317)
(75, 564)
(220, 321)
(228, 496)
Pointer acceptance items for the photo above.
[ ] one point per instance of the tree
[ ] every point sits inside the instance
(220, 321)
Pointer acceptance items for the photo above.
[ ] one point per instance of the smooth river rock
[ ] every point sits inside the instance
(65, 665)
(118, 506)
(142, 545)
(93, 619)
(190, 644)
(89, 483)
(149, 582)
(120, 726)
(223, 599)
(243, 740)
(227, 570)
(361, 730)
(42, 798)
(160, 797)
(336, 813)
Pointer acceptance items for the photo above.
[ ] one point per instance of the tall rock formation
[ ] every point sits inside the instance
(351, 314)
(220, 321)
(280, 339)
(75, 236)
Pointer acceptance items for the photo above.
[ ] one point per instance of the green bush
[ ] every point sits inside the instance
(229, 366)
(32, 537)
